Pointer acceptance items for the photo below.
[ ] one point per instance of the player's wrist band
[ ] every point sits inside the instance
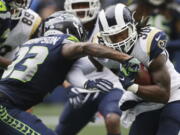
(133, 88)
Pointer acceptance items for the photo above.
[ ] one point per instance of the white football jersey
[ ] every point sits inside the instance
(151, 44)
(23, 30)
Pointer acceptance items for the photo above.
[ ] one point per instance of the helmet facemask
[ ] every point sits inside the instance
(16, 14)
(86, 10)
(118, 28)
(123, 45)
(17, 6)
(19, 3)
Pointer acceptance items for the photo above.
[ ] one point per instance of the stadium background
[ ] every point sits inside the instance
(50, 110)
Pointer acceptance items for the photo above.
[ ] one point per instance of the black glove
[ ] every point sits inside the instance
(78, 98)
(99, 84)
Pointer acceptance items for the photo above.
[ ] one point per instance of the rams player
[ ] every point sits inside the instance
(119, 31)
(40, 65)
(24, 23)
(90, 75)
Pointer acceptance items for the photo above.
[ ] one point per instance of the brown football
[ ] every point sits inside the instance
(143, 77)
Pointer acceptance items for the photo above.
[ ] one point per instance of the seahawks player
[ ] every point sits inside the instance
(40, 65)
(90, 75)
(147, 44)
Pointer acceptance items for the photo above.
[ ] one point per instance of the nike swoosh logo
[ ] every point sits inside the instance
(157, 39)
(121, 78)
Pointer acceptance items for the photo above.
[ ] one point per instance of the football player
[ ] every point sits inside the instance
(40, 65)
(19, 27)
(163, 14)
(119, 31)
(90, 75)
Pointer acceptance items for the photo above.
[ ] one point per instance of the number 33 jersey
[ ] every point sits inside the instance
(23, 29)
(150, 44)
(38, 68)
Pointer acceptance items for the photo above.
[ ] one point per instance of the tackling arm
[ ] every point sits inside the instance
(76, 50)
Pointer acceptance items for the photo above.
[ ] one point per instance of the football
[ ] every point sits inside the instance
(143, 77)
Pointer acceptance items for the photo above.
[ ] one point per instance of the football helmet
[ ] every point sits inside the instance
(64, 22)
(86, 10)
(19, 3)
(117, 28)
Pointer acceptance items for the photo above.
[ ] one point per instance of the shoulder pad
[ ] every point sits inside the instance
(158, 44)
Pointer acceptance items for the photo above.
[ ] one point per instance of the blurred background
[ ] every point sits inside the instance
(165, 16)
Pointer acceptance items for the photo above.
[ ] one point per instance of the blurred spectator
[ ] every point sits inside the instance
(60, 4)
(106, 3)
(44, 7)
(165, 16)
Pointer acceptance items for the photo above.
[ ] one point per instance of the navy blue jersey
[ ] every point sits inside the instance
(38, 68)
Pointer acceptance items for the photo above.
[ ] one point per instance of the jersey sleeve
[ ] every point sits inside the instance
(158, 45)
(36, 25)
(75, 72)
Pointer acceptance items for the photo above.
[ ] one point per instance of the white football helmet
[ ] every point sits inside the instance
(19, 3)
(17, 6)
(89, 13)
(115, 21)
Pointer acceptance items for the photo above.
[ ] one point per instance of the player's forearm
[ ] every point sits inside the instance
(104, 52)
(153, 93)
(4, 62)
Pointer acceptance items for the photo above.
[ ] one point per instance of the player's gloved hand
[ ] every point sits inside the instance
(78, 98)
(99, 84)
(131, 65)
(128, 73)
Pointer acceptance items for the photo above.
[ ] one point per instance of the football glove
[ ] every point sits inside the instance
(131, 65)
(100, 84)
(78, 98)
(128, 72)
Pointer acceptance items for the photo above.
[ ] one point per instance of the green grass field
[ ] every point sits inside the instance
(49, 113)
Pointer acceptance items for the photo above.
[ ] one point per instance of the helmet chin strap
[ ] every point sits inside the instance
(52, 32)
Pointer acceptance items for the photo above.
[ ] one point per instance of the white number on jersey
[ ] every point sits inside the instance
(23, 68)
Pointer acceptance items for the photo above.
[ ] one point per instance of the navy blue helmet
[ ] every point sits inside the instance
(66, 23)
